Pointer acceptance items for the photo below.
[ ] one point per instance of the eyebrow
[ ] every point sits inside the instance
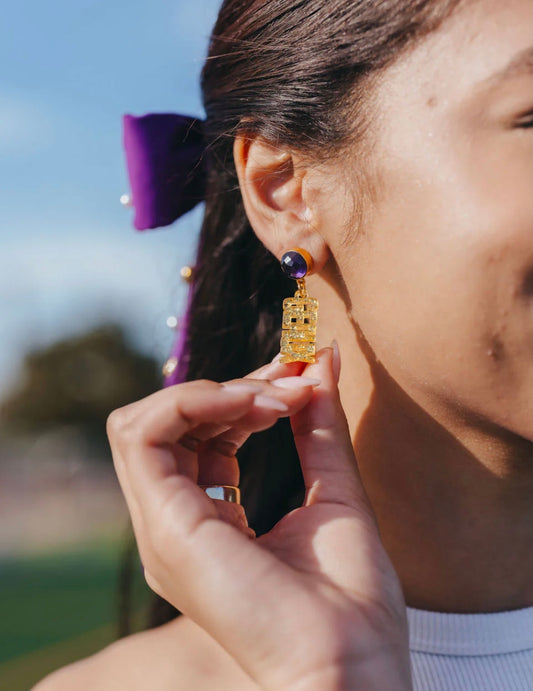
(521, 63)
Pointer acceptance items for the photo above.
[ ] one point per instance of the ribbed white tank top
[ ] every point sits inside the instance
(471, 652)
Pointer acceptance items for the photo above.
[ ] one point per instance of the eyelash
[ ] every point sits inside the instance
(525, 121)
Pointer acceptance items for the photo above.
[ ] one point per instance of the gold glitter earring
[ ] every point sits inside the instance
(298, 329)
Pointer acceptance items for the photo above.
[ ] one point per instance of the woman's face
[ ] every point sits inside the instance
(440, 275)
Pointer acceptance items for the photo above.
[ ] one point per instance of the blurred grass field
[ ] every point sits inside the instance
(59, 607)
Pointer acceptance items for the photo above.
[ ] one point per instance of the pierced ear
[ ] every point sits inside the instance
(274, 194)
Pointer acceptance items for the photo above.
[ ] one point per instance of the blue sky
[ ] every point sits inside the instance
(68, 254)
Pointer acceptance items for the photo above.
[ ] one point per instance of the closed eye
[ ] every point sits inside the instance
(525, 120)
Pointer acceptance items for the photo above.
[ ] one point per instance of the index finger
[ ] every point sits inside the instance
(165, 416)
(272, 370)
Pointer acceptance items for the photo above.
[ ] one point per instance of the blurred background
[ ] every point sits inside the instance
(87, 304)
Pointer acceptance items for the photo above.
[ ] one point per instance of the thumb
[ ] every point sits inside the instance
(323, 442)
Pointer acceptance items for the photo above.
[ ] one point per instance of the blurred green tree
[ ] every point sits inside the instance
(77, 382)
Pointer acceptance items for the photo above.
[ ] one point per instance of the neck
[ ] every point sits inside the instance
(453, 502)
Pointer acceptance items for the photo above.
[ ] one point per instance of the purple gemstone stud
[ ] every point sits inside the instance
(296, 263)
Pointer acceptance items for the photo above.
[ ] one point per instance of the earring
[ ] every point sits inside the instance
(298, 328)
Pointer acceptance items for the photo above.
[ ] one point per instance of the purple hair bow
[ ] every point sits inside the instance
(166, 168)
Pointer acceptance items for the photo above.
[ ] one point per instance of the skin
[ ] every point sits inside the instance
(429, 299)
(447, 337)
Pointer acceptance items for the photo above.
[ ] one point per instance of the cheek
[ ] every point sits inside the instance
(441, 287)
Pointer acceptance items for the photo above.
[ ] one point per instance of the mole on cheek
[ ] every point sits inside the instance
(496, 349)
(432, 101)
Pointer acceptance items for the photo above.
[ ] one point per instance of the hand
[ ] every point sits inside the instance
(313, 604)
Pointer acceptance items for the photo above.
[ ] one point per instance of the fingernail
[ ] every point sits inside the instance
(336, 360)
(294, 382)
(270, 403)
(239, 387)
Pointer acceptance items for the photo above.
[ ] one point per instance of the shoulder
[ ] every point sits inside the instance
(178, 655)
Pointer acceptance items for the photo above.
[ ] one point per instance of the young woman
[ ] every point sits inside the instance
(392, 142)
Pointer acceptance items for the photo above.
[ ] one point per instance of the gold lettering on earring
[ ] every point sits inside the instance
(298, 328)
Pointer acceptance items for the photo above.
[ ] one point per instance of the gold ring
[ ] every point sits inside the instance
(223, 492)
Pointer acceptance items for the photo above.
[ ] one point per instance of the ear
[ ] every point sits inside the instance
(278, 199)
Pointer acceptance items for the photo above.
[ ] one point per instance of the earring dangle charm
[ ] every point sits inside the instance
(298, 329)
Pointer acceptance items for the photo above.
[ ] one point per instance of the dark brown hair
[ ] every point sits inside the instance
(297, 72)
